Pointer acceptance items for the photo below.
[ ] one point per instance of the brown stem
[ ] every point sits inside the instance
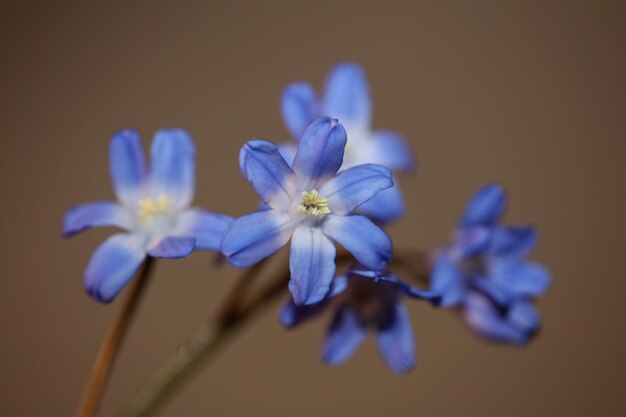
(111, 344)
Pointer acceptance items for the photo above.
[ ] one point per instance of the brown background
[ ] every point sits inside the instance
(531, 94)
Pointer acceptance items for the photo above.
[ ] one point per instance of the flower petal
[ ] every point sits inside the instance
(288, 151)
(127, 166)
(391, 150)
(354, 186)
(470, 242)
(485, 207)
(98, 214)
(513, 241)
(486, 320)
(312, 265)
(113, 264)
(320, 153)
(206, 227)
(300, 107)
(520, 278)
(447, 280)
(171, 247)
(386, 206)
(345, 334)
(347, 96)
(269, 174)
(173, 166)
(369, 244)
(256, 236)
(397, 284)
(395, 339)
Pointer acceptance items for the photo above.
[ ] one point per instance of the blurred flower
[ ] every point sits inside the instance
(484, 271)
(347, 98)
(310, 204)
(153, 207)
(365, 299)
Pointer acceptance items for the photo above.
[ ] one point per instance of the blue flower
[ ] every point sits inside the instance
(365, 299)
(311, 205)
(347, 98)
(152, 206)
(484, 271)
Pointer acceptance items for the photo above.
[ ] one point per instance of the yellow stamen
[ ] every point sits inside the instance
(313, 204)
(149, 207)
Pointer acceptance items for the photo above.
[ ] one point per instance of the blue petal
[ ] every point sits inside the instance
(127, 166)
(471, 242)
(320, 153)
(498, 294)
(347, 96)
(520, 278)
(312, 265)
(488, 321)
(392, 280)
(447, 280)
(485, 207)
(113, 264)
(172, 247)
(524, 316)
(85, 216)
(386, 206)
(205, 227)
(369, 244)
(345, 334)
(288, 151)
(391, 150)
(269, 174)
(513, 241)
(395, 340)
(292, 315)
(173, 166)
(300, 107)
(354, 186)
(256, 236)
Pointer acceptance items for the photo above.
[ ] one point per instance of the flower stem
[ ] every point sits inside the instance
(111, 344)
(202, 345)
(207, 339)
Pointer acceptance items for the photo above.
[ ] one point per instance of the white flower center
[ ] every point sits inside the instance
(156, 215)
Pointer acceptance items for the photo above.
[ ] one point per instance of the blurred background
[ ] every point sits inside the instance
(530, 94)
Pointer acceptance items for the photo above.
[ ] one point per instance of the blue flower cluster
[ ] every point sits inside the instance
(333, 184)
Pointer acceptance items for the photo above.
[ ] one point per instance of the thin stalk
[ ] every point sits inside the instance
(110, 346)
(198, 349)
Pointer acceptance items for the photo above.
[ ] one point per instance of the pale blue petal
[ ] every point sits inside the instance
(288, 151)
(485, 207)
(320, 153)
(520, 278)
(355, 186)
(171, 247)
(269, 174)
(391, 150)
(395, 339)
(205, 227)
(386, 206)
(513, 241)
(345, 334)
(447, 280)
(98, 214)
(300, 107)
(312, 265)
(524, 316)
(127, 166)
(369, 244)
(256, 236)
(471, 242)
(489, 322)
(113, 264)
(347, 96)
(173, 166)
